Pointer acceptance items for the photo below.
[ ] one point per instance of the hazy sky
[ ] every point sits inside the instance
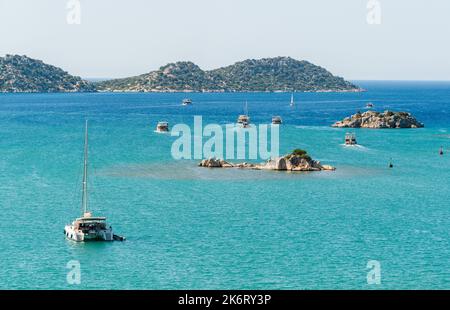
(118, 38)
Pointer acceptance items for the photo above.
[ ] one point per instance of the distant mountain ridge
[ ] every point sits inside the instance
(268, 74)
(24, 74)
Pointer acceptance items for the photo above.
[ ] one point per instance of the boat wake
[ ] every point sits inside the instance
(356, 146)
(239, 127)
(443, 136)
(321, 128)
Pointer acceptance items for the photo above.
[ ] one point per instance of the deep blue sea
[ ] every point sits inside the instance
(194, 228)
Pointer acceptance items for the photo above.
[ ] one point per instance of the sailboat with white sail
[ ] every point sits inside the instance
(88, 227)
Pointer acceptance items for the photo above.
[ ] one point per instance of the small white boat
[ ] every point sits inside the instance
(244, 119)
(350, 139)
(245, 125)
(88, 227)
(187, 102)
(292, 100)
(369, 105)
(276, 120)
(162, 127)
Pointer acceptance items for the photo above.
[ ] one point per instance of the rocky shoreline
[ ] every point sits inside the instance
(225, 91)
(298, 160)
(377, 120)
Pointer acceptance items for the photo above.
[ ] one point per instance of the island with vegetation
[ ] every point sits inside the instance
(298, 160)
(21, 74)
(280, 74)
(262, 75)
(372, 119)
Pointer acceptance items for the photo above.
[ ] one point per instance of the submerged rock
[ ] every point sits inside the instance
(215, 163)
(372, 119)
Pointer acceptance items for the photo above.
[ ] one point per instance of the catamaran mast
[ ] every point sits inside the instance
(85, 172)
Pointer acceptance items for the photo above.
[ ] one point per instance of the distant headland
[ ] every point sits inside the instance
(279, 74)
(21, 74)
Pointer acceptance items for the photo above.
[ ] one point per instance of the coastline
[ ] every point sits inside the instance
(233, 92)
(186, 91)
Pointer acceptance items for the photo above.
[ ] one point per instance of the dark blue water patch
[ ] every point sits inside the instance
(429, 101)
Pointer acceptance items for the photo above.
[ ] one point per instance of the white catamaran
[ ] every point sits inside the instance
(88, 227)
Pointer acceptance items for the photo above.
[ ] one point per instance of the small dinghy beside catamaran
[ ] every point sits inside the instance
(88, 227)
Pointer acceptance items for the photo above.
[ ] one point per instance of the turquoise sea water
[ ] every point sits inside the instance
(194, 228)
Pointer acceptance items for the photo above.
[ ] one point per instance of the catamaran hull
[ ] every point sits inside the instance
(103, 235)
